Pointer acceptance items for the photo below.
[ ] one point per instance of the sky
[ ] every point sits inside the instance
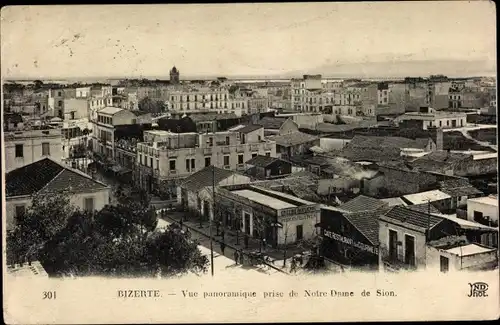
(51, 42)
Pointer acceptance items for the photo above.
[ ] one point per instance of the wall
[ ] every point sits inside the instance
(124, 118)
(101, 198)
(308, 221)
(288, 127)
(329, 144)
(78, 108)
(420, 244)
(487, 210)
(472, 167)
(455, 262)
(401, 182)
(32, 147)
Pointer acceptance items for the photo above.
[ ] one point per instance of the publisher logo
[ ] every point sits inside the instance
(478, 289)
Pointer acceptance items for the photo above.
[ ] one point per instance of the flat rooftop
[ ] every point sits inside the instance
(264, 199)
(424, 197)
(489, 200)
(470, 249)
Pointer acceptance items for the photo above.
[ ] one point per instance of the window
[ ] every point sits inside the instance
(440, 123)
(193, 164)
(393, 245)
(227, 141)
(410, 250)
(45, 149)
(210, 142)
(226, 160)
(19, 151)
(300, 232)
(89, 204)
(60, 103)
(254, 155)
(172, 165)
(151, 162)
(140, 159)
(157, 163)
(188, 163)
(20, 211)
(268, 154)
(444, 264)
(207, 161)
(240, 159)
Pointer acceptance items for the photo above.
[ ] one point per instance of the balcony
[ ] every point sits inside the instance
(240, 148)
(269, 146)
(255, 147)
(226, 149)
(207, 151)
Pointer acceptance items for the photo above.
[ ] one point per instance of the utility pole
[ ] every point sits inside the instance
(210, 222)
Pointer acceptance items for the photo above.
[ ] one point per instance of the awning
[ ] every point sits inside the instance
(320, 225)
(277, 224)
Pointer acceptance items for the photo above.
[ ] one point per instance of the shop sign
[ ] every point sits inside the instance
(297, 217)
(299, 210)
(349, 241)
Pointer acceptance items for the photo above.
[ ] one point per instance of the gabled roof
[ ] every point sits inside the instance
(261, 161)
(206, 177)
(415, 218)
(293, 139)
(249, 128)
(367, 223)
(48, 176)
(423, 207)
(458, 187)
(363, 203)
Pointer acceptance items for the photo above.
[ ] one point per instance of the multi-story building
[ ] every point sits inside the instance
(299, 88)
(206, 100)
(110, 119)
(432, 118)
(170, 157)
(23, 147)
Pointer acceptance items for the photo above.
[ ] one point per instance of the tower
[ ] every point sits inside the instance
(174, 75)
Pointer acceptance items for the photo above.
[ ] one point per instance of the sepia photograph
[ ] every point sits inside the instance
(257, 155)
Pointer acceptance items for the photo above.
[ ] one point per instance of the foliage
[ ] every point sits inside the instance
(45, 217)
(151, 106)
(233, 89)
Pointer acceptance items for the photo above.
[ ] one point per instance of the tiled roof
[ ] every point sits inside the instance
(371, 154)
(49, 176)
(363, 203)
(261, 161)
(211, 117)
(367, 223)
(458, 187)
(249, 128)
(205, 177)
(415, 218)
(272, 122)
(304, 192)
(293, 139)
(424, 207)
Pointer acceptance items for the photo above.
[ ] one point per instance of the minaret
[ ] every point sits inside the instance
(174, 76)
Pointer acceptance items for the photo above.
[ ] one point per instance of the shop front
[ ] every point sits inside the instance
(350, 238)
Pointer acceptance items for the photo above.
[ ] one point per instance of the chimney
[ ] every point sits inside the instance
(436, 135)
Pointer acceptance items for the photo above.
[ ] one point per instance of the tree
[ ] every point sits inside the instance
(37, 84)
(45, 217)
(151, 106)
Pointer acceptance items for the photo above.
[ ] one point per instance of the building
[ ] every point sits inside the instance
(483, 210)
(436, 198)
(190, 194)
(300, 87)
(407, 239)
(32, 269)
(212, 122)
(48, 177)
(433, 118)
(174, 76)
(206, 100)
(304, 120)
(294, 144)
(460, 190)
(278, 125)
(279, 218)
(266, 167)
(23, 147)
(168, 158)
(110, 119)
(350, 238)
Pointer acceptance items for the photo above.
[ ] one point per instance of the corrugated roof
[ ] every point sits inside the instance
(48, 176)
(293, 139)
(363, 203)
(415, 218)
(249, 128)
(205, 177)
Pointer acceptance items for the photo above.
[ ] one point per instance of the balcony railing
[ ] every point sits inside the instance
(255, 147)
(207, 151)
(240, 148)
(226, 149)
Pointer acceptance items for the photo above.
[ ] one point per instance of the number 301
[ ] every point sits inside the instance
(49, 295)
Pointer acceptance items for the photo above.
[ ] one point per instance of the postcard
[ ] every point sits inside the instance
(249, 163)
